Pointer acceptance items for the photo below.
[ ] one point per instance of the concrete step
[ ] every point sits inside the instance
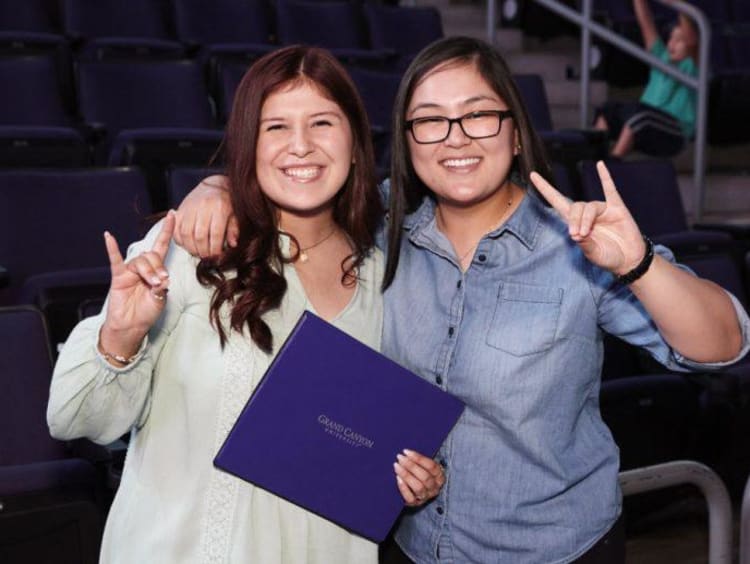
(565, 117)
(568, 92)
(732, 158)
(550, 66)
(727, 197)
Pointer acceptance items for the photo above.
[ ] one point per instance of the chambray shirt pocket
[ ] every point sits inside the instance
(525, 319)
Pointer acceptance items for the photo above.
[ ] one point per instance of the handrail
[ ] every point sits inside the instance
(679, 472)
(583, 20)
(745, 526)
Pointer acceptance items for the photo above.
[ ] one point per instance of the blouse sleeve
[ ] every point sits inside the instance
(622, 314)
(91, 398)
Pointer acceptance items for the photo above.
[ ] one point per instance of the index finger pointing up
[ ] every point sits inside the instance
(550, 193)
(611, 195)
(113, 252)
(161, 245)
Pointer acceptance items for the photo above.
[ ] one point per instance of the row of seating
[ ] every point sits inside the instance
(61, 275)
(179, 28)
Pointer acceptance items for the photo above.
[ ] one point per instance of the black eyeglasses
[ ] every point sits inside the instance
(476, 125)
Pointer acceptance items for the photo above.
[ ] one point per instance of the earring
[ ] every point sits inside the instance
(518, 147)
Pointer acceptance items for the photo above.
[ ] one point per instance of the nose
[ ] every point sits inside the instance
(456, 136)
(300, 143)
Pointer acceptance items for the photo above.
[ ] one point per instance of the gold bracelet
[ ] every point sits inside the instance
(108, 356)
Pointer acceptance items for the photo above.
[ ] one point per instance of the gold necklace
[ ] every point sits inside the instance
(491, 228)
(303, 256)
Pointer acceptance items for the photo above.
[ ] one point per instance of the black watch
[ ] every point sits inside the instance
(642, 267)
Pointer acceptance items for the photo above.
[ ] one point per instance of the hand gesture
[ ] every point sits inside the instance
(137, 293)
(205, 220)
(605, 231)
(419, 478)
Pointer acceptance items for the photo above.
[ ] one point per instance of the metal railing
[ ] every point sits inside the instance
(713, 489)
(700, 84)
(745, 526)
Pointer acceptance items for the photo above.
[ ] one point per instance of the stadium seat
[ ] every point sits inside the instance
(29, 26)
(567, 146)
(403, 30)
(650, 191)
(225, 28)
(52, 502)
(182, 180)
(36, 126)
(378, 90)
(338, 26)
(150, 114)
(106, 29)
(51, 225)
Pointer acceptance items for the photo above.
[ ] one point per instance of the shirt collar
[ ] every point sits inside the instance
(524, 223)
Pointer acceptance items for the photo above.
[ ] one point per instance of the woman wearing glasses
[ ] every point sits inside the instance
(502, 300)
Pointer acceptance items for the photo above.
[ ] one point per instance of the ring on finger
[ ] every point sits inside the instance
(161, 295)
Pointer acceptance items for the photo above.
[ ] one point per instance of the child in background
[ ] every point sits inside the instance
(663, 121)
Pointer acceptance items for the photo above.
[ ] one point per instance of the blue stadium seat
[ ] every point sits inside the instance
(52, 501)
(36, 126)
(338, 26)
(105, 29)
(29, 26)
(150, 114)
(403, 30)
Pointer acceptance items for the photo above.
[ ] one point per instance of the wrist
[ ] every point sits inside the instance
(119, 345)
(641, 268)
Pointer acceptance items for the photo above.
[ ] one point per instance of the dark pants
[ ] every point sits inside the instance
(609, 550)
(655, 133)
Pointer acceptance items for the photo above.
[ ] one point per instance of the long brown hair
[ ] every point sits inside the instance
(257, 259)
(407, 189)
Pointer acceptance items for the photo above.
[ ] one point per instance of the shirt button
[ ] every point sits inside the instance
(439, 510)
(450, 331)
(458, 285)
(443, 463)
(482, 258)
(438, 380)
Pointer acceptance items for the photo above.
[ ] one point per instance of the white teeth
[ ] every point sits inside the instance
(460, 162)
(302, 172)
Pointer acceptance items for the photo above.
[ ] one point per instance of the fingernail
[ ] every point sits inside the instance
(400, 457)
(163, 273)
(396, 467)
(399, 480)
(155, 280)
(409, 452)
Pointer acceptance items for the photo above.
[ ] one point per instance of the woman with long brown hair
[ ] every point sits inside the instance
(181, 343)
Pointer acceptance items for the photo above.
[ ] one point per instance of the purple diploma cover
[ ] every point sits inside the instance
(324, 425)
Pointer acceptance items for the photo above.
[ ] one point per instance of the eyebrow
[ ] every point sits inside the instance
(315, 115)
(472, 100)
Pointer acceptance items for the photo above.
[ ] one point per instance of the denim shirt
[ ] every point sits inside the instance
(531, 467)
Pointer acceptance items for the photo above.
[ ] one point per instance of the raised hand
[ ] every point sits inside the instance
(137, 293)
(605, 231)
(418, 477)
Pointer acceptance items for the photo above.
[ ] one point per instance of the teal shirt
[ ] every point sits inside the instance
(669, 95)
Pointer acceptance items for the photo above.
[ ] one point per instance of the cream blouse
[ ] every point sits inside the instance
(179, 399)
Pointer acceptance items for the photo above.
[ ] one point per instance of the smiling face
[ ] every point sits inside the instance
(460, 171)
(304, 150)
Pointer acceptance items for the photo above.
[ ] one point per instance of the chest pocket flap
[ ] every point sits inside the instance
(525, 318)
